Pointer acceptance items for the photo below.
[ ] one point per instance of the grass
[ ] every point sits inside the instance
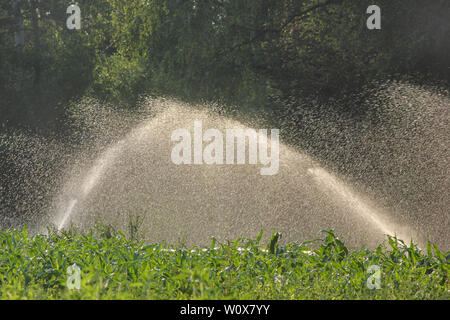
(114, 267)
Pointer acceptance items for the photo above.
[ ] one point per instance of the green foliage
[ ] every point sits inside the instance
(119, 80)
(114, 267)
(235, 51)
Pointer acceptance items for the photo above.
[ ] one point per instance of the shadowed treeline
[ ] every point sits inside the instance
(370, 105)
(233, 51)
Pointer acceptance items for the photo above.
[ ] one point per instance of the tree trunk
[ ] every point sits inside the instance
(37, 46)
(19, 40)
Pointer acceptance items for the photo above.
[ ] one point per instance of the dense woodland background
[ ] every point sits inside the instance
(244, 52)
(372, 105)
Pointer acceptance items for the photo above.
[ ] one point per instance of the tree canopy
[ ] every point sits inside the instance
(235, 51)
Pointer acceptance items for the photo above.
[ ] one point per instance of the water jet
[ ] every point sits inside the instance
(195, 202)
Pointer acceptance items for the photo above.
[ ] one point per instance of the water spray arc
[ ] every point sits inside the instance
(90, 180)
(195, 202)
(355, 203)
